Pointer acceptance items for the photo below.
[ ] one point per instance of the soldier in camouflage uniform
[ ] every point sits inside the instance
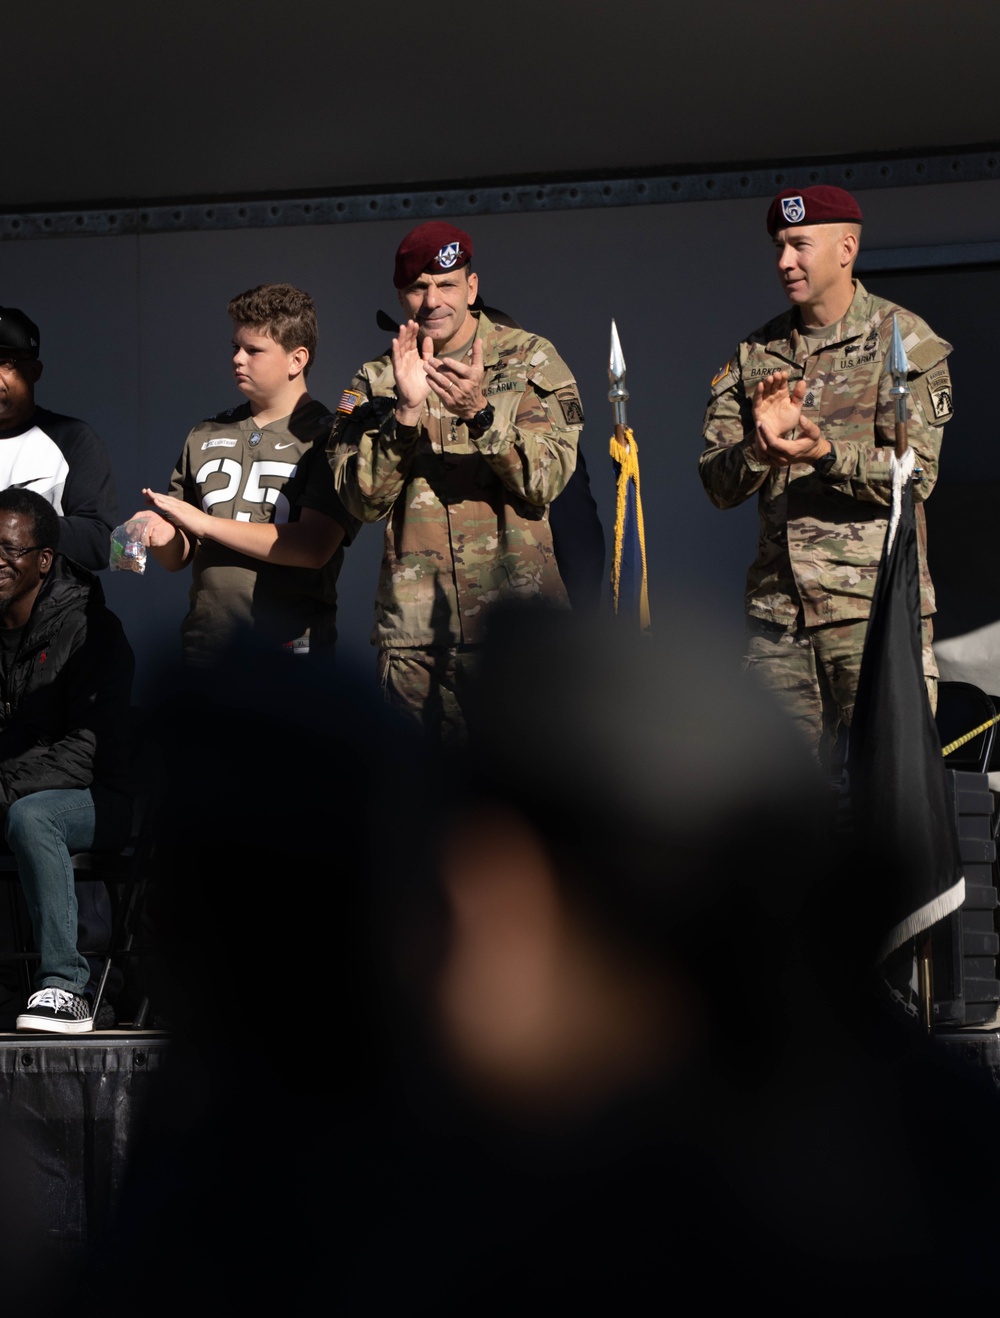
(801, 416)
(460, 436)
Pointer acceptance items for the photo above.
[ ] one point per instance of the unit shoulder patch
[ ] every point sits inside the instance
(940, 392)
(572, 408)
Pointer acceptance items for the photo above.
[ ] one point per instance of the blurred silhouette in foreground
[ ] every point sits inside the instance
(270, 767)
(661, 1064)
(584, 1017)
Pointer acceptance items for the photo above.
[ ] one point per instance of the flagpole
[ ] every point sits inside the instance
(900, 392)
(618, 394)
(900, 797)
(629, 594)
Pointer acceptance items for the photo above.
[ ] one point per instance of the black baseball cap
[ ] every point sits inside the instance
(18, 333)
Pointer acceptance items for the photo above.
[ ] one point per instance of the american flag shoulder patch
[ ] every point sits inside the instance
(721, 373)
(349, 400)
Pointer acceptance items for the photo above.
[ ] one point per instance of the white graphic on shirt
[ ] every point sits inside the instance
(33, 462)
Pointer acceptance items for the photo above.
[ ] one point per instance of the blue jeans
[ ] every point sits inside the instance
(42, 830)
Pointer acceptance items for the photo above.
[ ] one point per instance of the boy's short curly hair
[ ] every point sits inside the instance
(282, 312)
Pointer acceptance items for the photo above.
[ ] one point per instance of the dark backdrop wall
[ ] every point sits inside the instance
(136, 340)
(961, 515)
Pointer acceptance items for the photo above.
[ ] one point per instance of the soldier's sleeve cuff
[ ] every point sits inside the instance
(393, 431)
(753, 462)
(405, 434)
(492, 442)
(825, 464)
(838, 465)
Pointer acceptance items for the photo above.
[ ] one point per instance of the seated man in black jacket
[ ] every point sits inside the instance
(65, 682)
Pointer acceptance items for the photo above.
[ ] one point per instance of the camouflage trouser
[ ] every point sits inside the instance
(814, 671)
(430, 685)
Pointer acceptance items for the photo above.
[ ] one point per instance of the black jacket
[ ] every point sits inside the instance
(65, 703)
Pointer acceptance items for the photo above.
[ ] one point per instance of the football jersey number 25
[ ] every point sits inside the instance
(253, 490)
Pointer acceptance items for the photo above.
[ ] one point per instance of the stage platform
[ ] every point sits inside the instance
(70, 1108)
(979, 1049)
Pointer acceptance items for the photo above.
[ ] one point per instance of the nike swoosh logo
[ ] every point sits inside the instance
(290, 444)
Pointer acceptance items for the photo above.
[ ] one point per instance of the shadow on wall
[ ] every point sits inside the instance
(963, 550)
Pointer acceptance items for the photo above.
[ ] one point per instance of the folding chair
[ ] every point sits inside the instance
(962, 708)
(124, 873)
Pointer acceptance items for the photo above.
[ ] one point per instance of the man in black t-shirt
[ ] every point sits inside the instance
(58, 457)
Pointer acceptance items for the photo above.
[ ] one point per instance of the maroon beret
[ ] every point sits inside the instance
(821, 204)
(435, 247)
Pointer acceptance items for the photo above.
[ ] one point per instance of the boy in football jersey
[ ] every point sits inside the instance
(252, 504)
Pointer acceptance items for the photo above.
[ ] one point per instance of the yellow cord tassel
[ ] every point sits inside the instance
(954, 745)
(627, 458)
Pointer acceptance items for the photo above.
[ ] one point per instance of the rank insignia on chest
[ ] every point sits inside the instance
(349, 400)
(255, 439)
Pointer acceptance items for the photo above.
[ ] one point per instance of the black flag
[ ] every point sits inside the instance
(898, 788)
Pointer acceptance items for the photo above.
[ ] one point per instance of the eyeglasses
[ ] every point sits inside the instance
(8, 365)
(11, 553)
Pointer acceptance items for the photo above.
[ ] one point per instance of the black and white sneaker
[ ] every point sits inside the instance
(57, 1011)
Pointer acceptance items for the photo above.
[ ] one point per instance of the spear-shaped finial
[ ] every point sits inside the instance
(900, 391)
(616, 373)
(629, 595)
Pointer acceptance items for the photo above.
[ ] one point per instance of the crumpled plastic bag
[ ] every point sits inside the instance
(128, 548)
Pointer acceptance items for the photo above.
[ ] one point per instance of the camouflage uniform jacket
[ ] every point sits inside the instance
(467, 517)
(821, 536)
